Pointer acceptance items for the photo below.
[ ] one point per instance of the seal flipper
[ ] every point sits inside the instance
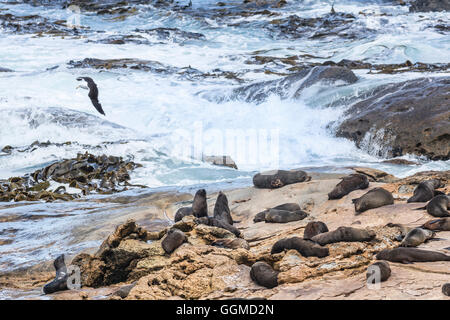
(421, 208)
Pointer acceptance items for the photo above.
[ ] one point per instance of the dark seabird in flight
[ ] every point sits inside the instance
(93, 93)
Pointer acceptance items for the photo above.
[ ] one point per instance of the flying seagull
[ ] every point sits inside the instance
(93, 92)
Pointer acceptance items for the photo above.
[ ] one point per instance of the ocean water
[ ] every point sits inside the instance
(167, 119)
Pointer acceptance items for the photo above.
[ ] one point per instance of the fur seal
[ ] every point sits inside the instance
(279, 178)
(410, 255)
(213, 222)
(374, 198)
(221, 209)
(346, 234)
(446, 289)
(283, 216)
(314, 228)
(173, 240)
(416, 237)
(261, 216)
(425, 191)
(60, 281)
(383, 266)
(264, 275)
(199, 206)
(305, 247)
(231, 243)
(438, 224)
(438, 206)
(183, 212)
(348, 184)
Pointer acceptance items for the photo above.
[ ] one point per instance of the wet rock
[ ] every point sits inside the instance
(292, 86)
(225, 161)
(375, 175)
(403, 118)
(429, 5)
(80, 172)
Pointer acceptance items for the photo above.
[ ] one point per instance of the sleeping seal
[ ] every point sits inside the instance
(416, 237)
(410, 255)
(261, 216)
(60, 281)
(344, 234)
(438, 224)
(279, 178)
(173, 240)
(283, 216)
(383, 267)
(314, 228)
(438, 206)
(199, 206)
(213, 222)
(375, 198)
(305, 247)
(183, 212)
(264, 275)
(425, 191)
(348, 184)
(221, 209)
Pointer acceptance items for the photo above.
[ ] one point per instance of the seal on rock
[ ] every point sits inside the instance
(214, 222)
(263, 274)
(438, 206)
(199, 206)
(425, 191)
(384, 269)
(60, 281)
(416, 237)
(305, 247)
(438, 224)
(344, 234)
(314, 228)
(348, 184)
(231, 243)
(173, 240)
(374, 198)
(279, 178)
(446, 289)
(410, 255)
(221, 209)
(261, 216)
(183, 212)
(283, 216)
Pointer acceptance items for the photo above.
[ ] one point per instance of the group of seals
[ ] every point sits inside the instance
(263, 274)
(374, 198)
(279, 178)
(283, 213)
(173, 240)
(60, 281)
(410, 255)
(348, 184)
(306, 248)
(425, 191)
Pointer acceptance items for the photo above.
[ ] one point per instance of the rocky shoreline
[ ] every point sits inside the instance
(132, 264)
